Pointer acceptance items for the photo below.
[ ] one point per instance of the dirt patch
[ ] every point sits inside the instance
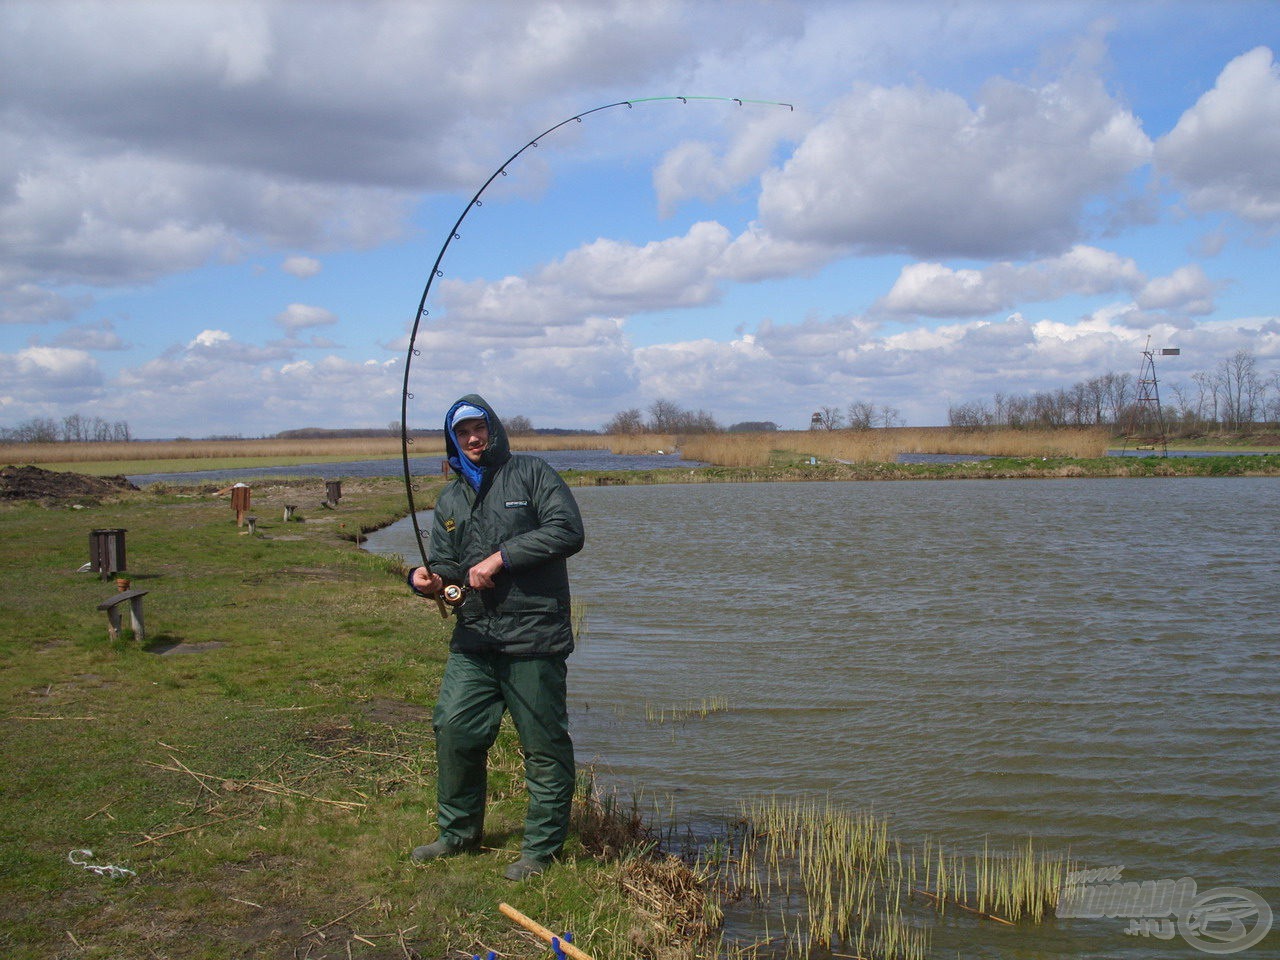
(297, 574)
(178, 648)
(393, 713)
(55, 486)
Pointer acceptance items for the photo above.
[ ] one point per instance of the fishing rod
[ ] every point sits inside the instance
(436, 272)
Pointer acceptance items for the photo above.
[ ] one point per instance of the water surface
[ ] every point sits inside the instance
(1091, 662)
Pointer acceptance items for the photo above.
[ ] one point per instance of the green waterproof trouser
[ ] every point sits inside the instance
(476, 689)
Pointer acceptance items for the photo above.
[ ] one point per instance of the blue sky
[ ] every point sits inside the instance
(217, 218)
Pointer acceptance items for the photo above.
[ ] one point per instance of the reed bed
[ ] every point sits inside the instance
(836, 880)
(320, 448)
(724, 449)
(634, 444)
(860, 446)
(1022, 883)
(702, 709)
(353, 448)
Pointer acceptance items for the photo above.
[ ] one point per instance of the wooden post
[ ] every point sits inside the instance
(106, 551)
(333, 492)
(240, 497)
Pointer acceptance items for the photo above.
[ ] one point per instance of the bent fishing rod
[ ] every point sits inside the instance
(455, 594)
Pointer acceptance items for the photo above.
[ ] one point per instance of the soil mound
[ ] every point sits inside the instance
(32, 483)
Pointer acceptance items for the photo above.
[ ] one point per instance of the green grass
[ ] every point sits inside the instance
(787, 469)
(111, 468)
(265, 788)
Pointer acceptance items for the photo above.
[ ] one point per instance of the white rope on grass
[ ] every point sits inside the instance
(101, 869)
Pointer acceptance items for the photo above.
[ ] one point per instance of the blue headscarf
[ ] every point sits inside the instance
(473, 473)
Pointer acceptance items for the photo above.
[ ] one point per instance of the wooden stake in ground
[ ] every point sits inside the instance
(536, 928)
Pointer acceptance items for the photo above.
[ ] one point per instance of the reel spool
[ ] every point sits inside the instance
(453, 594)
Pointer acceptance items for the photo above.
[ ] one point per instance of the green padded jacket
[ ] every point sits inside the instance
(520, 506)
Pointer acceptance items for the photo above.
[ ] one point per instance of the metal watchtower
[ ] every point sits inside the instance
(1145, 426)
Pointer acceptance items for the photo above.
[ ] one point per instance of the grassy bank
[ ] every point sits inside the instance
(264, 763)
(787, 468)
(175, 456)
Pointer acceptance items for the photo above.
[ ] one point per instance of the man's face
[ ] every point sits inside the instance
(472, 437)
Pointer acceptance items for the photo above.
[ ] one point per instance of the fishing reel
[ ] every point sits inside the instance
(453, 594)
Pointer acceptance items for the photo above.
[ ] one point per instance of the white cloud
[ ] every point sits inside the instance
(209, 339)
(92, 336)
(39, 379)
(698, 169)
(1187, 290)
(30, 303)
(213, 348)
(602, 277)
(301, 267)
(301, 316)
(1223, 150)
(931, 289)
(916, 170)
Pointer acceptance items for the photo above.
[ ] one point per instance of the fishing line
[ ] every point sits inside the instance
(436, 272)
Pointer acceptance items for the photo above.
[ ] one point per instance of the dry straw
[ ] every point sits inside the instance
(884, 446)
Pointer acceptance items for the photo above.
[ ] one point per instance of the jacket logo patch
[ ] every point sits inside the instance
(512, 504)
(449, 525)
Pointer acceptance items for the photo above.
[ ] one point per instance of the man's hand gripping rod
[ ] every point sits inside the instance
(452, 594)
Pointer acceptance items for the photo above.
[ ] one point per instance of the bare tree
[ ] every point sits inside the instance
(971, 416)
(519, 425)
(861, 415)
(73, 428)
(664, 417)
(889, 417)
(1241, 389)
(828, 418)
(626, 422)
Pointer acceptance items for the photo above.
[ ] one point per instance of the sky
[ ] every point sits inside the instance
(219, 218)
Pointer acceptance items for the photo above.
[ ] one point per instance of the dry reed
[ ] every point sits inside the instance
(860, 446)
(354, 448)
(724, 449)
(642, 443)
(321, 448)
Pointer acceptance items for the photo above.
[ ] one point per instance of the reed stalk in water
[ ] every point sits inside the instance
(854, 883)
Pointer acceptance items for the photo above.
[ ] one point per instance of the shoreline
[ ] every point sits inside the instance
(1261, 462)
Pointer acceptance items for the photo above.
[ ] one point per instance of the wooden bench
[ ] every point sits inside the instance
(112, 606)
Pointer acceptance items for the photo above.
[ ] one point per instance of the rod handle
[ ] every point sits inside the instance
(534, 927)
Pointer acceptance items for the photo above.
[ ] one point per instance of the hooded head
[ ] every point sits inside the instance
(496, 453)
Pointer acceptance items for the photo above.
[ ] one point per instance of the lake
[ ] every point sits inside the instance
(1089, 662)
(420, 466)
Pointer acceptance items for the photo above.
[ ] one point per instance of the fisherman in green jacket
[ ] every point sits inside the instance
(503, 531)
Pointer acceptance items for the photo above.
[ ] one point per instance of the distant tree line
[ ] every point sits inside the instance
(858, 415)
(72, 429)
(1233, 396)
(664, 416)
(668, 417)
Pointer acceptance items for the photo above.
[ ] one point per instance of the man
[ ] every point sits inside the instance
(503, 530)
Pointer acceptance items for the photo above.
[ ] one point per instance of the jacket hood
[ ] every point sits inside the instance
(495, 454)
